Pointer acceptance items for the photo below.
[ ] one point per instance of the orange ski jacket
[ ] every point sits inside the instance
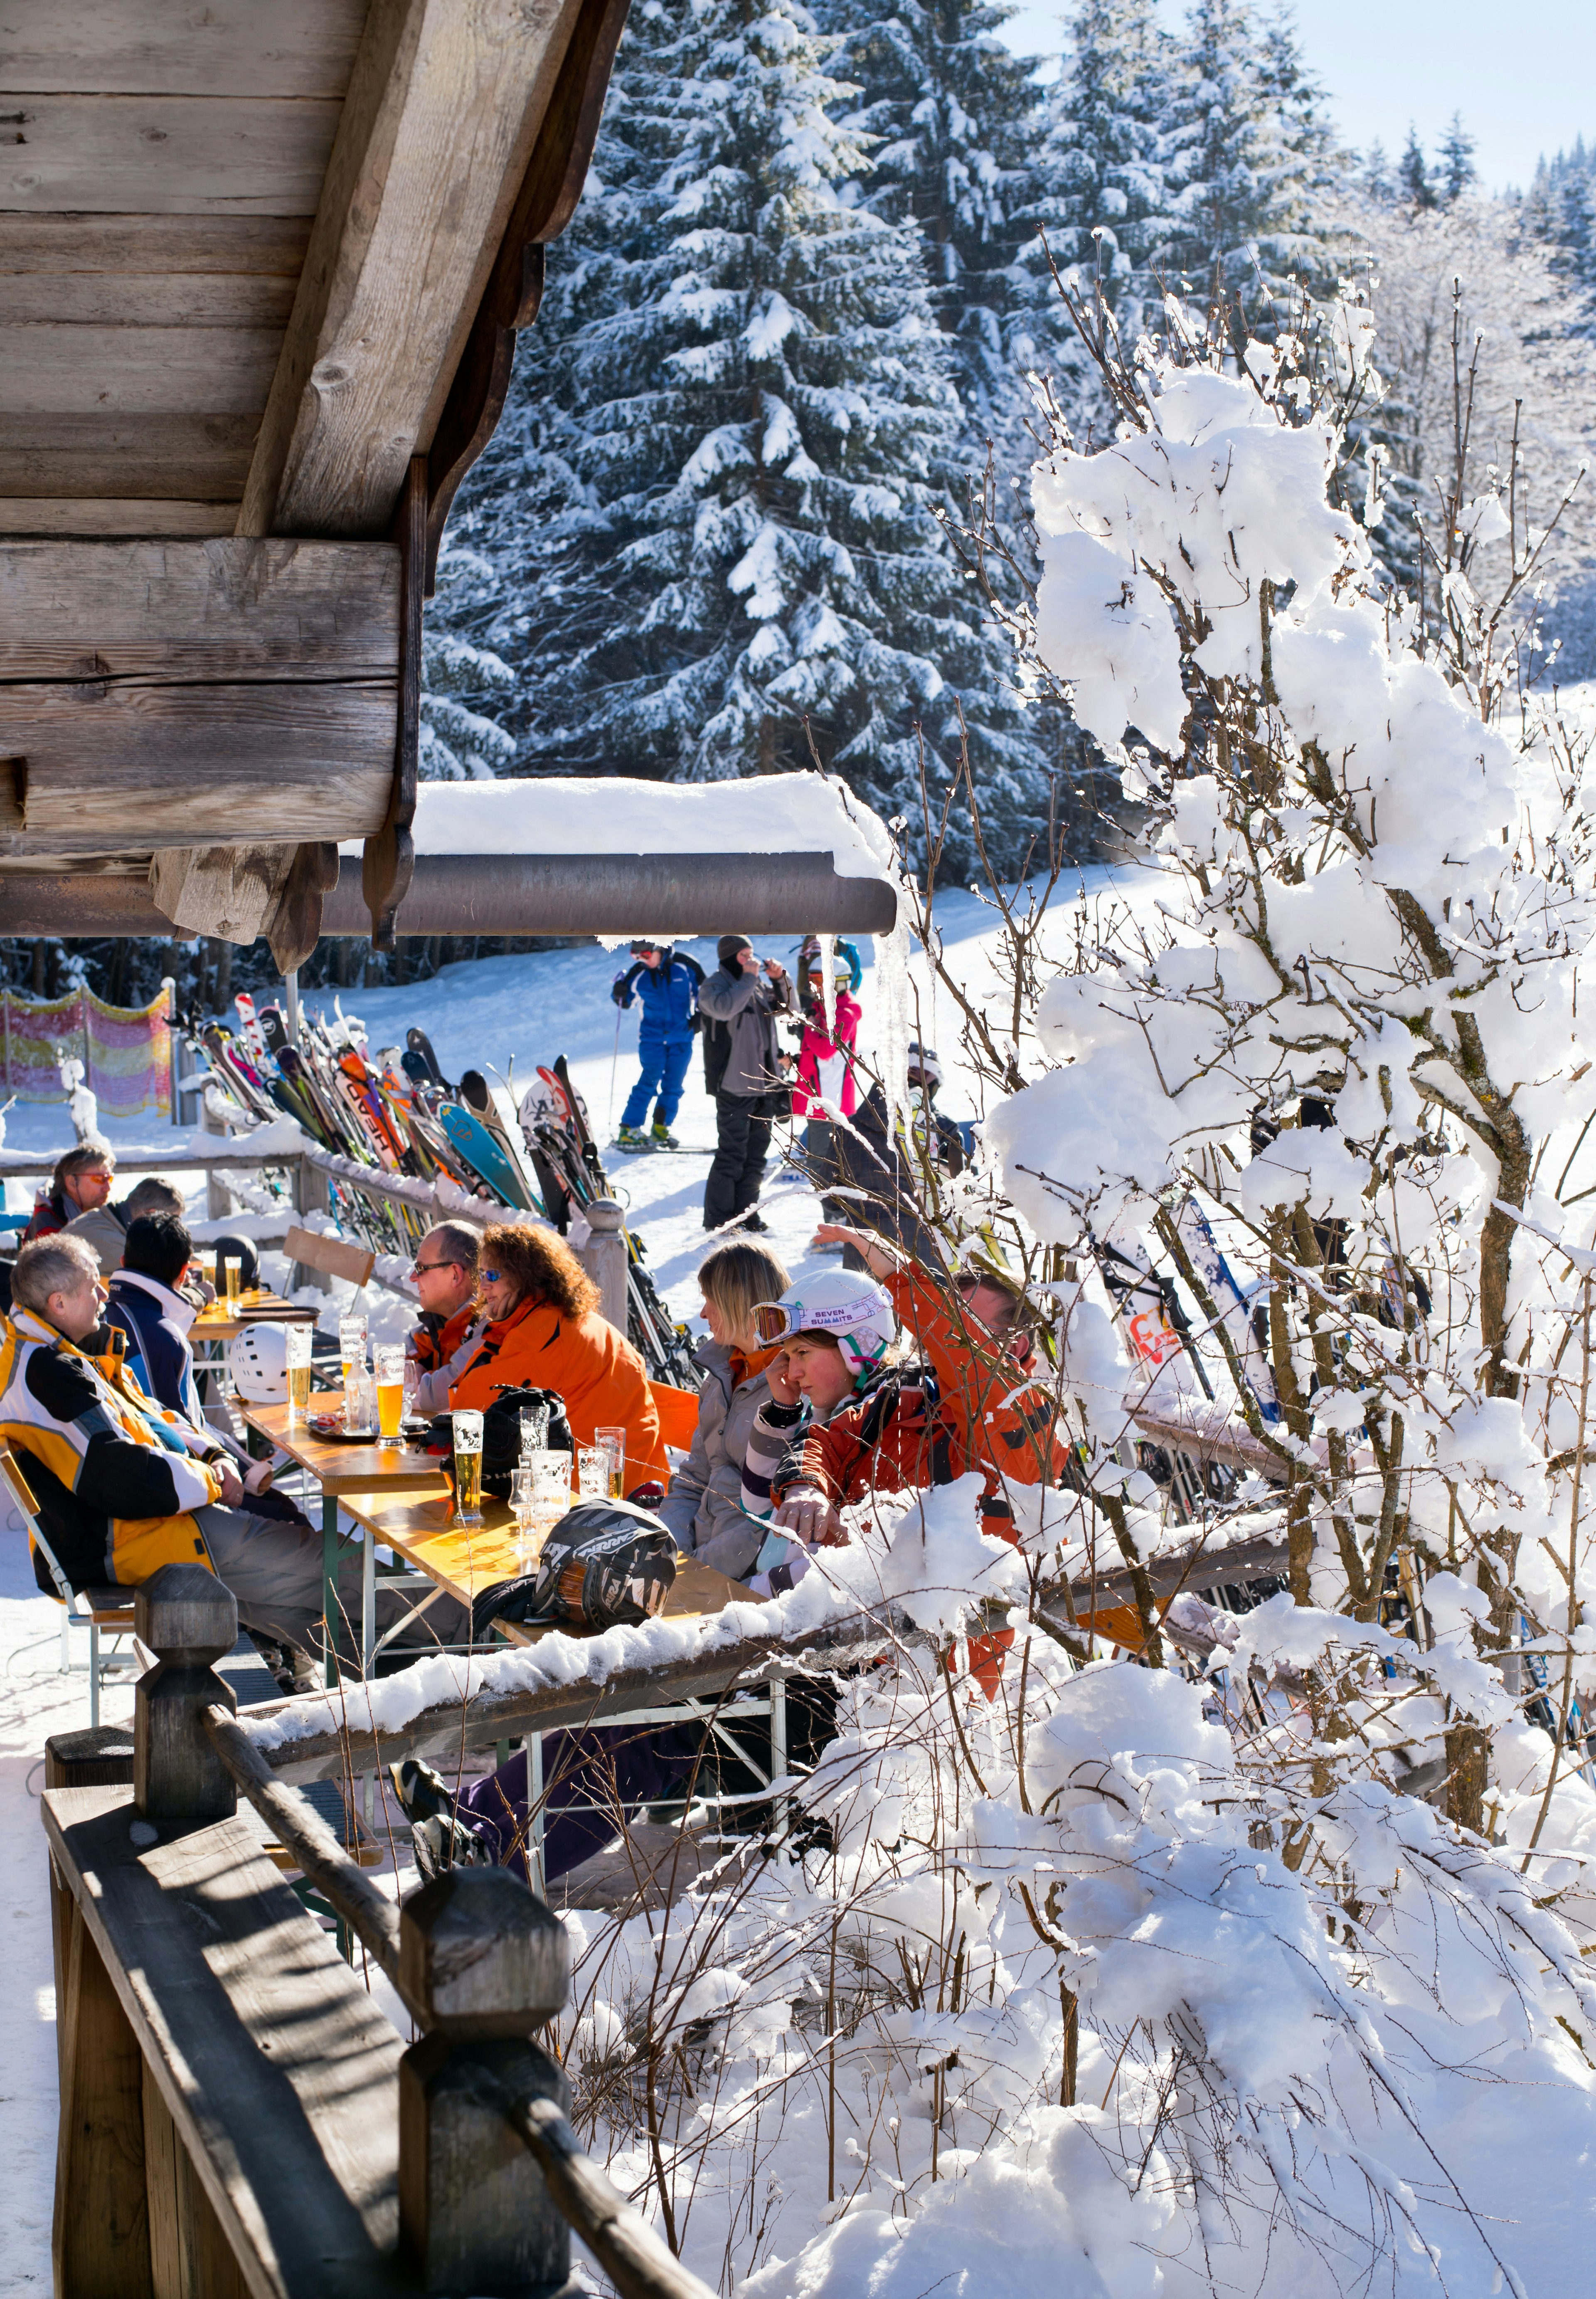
(595, 1370)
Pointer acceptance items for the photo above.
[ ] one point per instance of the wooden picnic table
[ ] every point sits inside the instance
(462, 1560)
(217, 1323)
(343, 1470)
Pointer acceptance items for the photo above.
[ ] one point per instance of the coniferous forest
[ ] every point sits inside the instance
(796, 330)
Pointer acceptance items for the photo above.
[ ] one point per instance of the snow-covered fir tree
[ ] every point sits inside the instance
(1103, 211)
(1250, 153)
(951, 110)
(706, 530)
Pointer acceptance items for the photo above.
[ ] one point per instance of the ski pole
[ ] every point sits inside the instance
(614, 1066)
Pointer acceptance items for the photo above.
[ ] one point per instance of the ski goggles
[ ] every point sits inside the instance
(778, 1321)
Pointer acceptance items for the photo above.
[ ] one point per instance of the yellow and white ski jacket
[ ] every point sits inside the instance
(115, 1475)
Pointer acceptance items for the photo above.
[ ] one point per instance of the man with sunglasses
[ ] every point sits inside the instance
(445, 1271)
(81, 1183)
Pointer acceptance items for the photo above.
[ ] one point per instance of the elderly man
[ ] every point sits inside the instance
(445, 1271)
(80, 1183)
(106, 1226)
(124, 1486)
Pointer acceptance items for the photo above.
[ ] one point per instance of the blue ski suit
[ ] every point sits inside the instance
(668, 995)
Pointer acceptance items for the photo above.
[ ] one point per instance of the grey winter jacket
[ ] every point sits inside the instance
(748, 1003)
(702, 1507)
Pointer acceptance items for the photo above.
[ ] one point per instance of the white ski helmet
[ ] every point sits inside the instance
(258, 1361)
(852, 1309)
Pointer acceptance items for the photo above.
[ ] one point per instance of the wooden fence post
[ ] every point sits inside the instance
(187, 1619)
(484, 1963)
(605, 1258)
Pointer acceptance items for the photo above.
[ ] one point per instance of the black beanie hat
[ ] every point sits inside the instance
(729, 945)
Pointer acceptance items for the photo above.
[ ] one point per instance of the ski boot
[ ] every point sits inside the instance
(632, 1139)
(661, 1136)
(439, 1840)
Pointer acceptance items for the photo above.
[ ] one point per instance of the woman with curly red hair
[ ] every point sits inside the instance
(545, 1332)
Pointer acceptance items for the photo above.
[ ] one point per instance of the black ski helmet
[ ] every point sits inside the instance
(606, 1564)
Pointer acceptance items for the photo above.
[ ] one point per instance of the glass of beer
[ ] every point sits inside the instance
(231, 1272)
(468, 1467)
(612, 1440)
(389, 1359)
(298, 1340)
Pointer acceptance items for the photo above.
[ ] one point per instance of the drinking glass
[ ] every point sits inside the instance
(550, 1487)
(297, 1338)
(360, 1402)
(468, 1467)
(592, 1472)
(389, 1359)
(232, 1272)
(612, 1440)
(523, 1502)
(352, 1346)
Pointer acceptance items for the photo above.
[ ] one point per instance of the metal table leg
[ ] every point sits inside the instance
(368, 1650)
(329, 1584)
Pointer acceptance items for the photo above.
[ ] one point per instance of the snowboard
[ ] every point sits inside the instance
(484, 1152)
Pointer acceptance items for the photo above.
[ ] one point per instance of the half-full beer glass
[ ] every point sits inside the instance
(468, 1467)
(612, 1440)
(390, 1390)
(298, 1340)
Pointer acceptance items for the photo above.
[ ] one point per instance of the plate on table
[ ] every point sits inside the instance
(328, 1429)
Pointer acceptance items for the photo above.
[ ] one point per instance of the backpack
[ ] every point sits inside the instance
(501, 1433)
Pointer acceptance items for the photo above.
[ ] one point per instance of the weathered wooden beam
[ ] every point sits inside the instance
(148, 47)
(120, 455)
(153, 765)
(135, 370)
(121, 247)
(226, 610)
(51, 518)
(165, 154)
(445, 100)
(389, 858)
(180, 301)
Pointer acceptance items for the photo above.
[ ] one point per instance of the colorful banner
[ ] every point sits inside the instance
(126, 1051)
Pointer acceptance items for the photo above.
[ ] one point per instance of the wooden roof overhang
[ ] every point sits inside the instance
(261, 267)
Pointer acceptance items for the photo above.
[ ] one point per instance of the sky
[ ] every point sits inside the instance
(1525, 85)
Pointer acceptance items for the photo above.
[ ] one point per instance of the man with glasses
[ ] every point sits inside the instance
(445, 1271)
(81, 1184)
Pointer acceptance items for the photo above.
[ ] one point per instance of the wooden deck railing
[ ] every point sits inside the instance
(236, 2114)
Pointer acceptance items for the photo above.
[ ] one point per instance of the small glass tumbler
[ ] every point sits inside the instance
(523, 1503)
(297, 1341)
(551, 1487)
(468, 1467)
(352, 1347)
(359, 1404)
(592, 1472)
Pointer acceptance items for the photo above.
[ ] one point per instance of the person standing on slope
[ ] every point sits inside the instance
(742, 1070)
(666, 985)
(826, 1063)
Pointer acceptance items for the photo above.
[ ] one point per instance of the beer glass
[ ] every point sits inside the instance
(231, 1272)
(468, 1467)
(352, 1346)
(298, 1340)
(612, 1440)
(549, 1482)
(389, 1359)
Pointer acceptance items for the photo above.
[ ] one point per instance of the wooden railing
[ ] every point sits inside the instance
(237, 2115)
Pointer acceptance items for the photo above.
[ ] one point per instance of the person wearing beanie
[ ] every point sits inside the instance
(742, 1070)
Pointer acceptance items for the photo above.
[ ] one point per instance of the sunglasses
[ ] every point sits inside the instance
(418, 1268)
(489, 1277)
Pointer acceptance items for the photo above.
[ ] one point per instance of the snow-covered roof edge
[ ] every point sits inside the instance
(766, 814)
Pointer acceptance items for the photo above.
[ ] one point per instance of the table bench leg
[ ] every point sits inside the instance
(535, 1814)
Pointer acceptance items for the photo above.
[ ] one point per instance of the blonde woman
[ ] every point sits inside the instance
(704, 1507)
